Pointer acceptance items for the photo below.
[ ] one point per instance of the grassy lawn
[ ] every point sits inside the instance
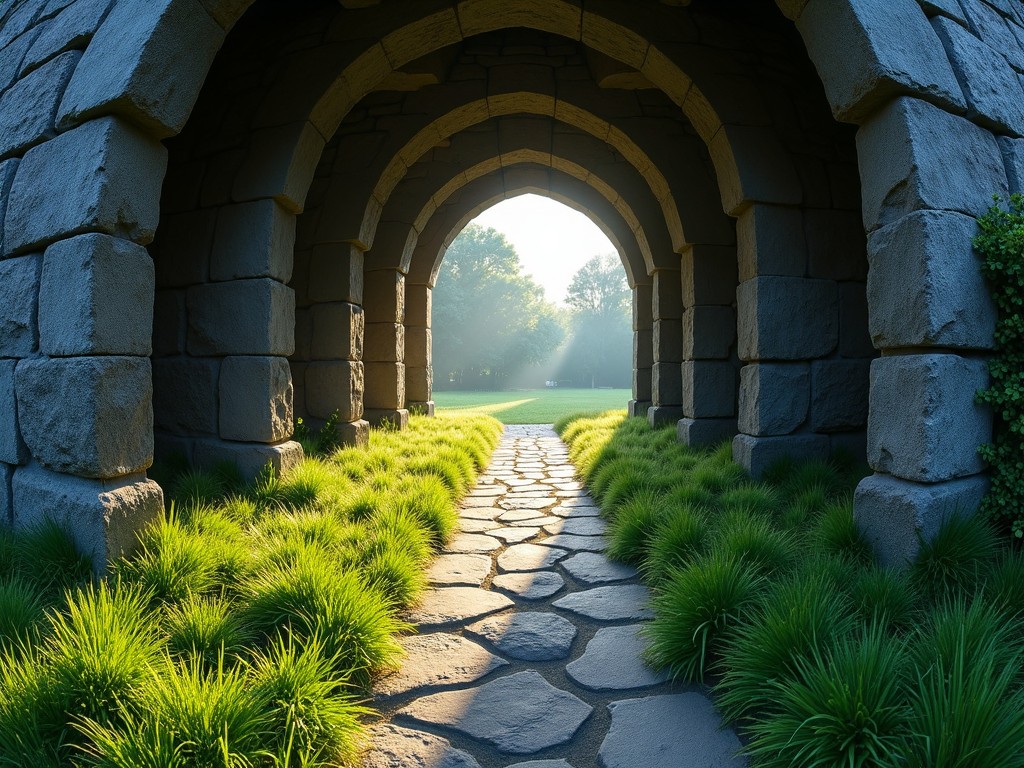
(532, 406)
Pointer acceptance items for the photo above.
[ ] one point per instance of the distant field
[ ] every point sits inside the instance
(532, 406)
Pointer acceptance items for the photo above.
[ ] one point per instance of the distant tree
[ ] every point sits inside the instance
(490, 321)
(601, 338)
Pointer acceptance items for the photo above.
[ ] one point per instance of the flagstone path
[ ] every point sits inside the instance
(527, 654)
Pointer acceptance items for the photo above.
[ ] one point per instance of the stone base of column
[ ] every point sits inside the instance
(102, 516)
(249, 458)
(698, 433)
(422, 409)
(896, 515)
(354, 434)
(638, 408)
(391, 418)
(663, 415)
(759, 454)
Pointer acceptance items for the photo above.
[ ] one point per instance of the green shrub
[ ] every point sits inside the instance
(681, 536)
(836, 531)
(21, 613)
(206, 628)
(957, 558)
(635, 523)
(887, 596)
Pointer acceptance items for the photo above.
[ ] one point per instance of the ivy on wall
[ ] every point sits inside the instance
(1001, 246)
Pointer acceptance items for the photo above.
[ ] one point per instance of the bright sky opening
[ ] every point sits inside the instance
(552, 240)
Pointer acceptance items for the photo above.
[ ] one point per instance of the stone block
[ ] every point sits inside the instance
(241, 317)
(185, 395)
(181, 250)
(335, 386)
(12, 447)
(666, 384)
(643, 348)
(888, 49)
(836, 244)
(12, 53)
(384, 342)
(104, 176)
(699, 433)
(666, 295)
(643, 306)
(637, 409)
(254, 239)
(125, 68)
(421, 408)
(102, 516)
(384, 296)
(418, 346)
(924, 424)
(303, 334)
(418, 304)
(256, 399)
(19, 299)
(667, 341)
(337, 331)
(774, 398)
(385, 386)
(170, 323)
(96, 298)
(389, 418)
(8, 169)
(839, 395)
(28, 110)
(1011, 148)
(249, 458)
(895, 516)
(915, 156)
(708, 275)
(419, 384)
(925, 287)
(787, 318)
(770, 241)
(336, 273)
(87, 416)
(6, 497)
(708, 333)
(73, 27)
(642, 385)
(663, 415)
(854, 338)
(709, 389)
(994, 94)
(759, 454)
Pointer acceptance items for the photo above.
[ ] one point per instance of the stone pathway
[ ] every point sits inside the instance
(528, 654)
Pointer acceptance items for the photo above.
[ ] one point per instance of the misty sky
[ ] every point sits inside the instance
(552, 240)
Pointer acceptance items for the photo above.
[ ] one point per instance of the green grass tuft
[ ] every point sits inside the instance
(955, 560)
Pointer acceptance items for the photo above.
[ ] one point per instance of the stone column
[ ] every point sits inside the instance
(419, 373)
(384, 347)
(666, 381)
(643, 349)
(709, 369)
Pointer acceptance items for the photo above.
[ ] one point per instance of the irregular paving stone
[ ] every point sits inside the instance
(483, 513)
(451, 605)
(584, 526)
(531, 585)
(473, 525)
(518, 514)
(513, 535)
(532, 502)
(575, 543)
(395, 747)
(583, 500)
(612, 661)
(628, 601)
(438, 659)
(542, 764)
(478, 503)
(563, 511)
(530, 636)
(536, 521)
(593, 568)
(452, 570)
(519, 714)
(473, 542)
(529, 557)
(648, 732)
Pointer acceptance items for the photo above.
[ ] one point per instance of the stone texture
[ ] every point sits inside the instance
(8, 169)
(647, 732)
(241, 317)
(709, 389)
(530, 586)
(27, 110)
(255, 399)
(759, 454)
(925, 287)
(612, 662)
(615, 603)
(473, 542)
(787, 318)
(185, 395)
(453, 605)
(6, 496)
(519, 714)
(249, 458)
(925, 424)
(103, 176)
(699, 433)
(581, 510)
(96, 298)
(459, 570)
(575, 543)
(839, 395)
(395, 747)
(593, 568)
(774, 397)
(895, 515)
(584, 526)
(87, 416)
(71, 28)
(335, 386)
(529, 636)
(770, 241)
(708, 275)
(529, 557)
(708, 333)
(255, 239)
(19, 291)
(12, 447)
(513, 535)
(337, 332)
(435, 660)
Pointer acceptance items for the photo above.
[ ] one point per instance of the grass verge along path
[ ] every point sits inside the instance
(532, 406)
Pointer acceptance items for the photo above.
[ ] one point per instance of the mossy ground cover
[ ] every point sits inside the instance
(766, 592)
(532, 406)
(249, 625)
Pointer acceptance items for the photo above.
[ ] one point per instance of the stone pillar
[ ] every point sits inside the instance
(643, 349)
(384, 348)
(709, 335)
(667, 341)
(419, 373)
